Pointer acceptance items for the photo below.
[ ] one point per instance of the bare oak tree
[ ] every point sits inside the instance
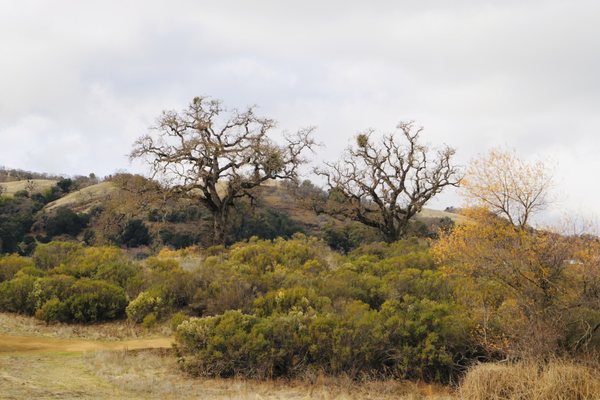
(384, 184)
(214, 155)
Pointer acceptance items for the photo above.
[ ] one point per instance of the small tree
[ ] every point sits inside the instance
(215, 156)
(384, 184)
(508, 186)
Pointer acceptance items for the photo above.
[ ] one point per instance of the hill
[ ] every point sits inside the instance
(84, 199)
(37, 185)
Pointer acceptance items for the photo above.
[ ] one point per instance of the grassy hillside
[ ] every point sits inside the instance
(84, 199)
(39, 185)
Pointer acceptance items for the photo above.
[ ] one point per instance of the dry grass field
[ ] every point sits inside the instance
(55, 362)
(39, 185)
(84, 199)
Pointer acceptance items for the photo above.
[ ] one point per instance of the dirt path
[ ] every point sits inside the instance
(37, 344)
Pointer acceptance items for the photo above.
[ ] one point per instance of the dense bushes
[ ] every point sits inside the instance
(69, 283)
(62, 298)
(11, 264)
(16, 219)
(412, 340)
(287, 308)
(284, 308)
(65, 222)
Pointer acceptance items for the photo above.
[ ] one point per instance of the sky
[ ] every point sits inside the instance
(81, 80)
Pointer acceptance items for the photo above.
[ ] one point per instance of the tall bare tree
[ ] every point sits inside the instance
(208, 153)
(383, 184)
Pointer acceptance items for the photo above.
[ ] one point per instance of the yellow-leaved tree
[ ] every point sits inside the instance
(529, 290)
(507, 186)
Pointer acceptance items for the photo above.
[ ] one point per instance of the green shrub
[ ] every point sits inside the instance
(94, 301)
(16, 295)
(53, 254)
(146, 303)
(177, 319)
(11, 264)
(52, 287)
(53, 310)
(31, 271)
(217, 346)
(149, 320)
(283, 301)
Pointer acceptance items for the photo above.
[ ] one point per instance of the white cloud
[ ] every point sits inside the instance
(81, 80)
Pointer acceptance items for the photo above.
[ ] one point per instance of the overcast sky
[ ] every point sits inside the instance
(80, 80)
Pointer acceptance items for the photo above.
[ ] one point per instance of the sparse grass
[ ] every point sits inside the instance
(531, 380)
(39, 185)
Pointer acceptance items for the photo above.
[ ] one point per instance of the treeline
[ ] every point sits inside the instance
(13, 174)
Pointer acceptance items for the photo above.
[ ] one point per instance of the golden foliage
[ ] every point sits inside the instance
(507, 186)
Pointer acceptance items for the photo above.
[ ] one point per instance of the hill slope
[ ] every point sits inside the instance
(39, 185)
(84, 199)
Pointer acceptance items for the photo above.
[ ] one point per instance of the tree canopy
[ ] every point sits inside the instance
(385, 183)
(216, 155)
(508, 186)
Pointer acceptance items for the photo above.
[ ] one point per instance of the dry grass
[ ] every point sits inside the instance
(531, 380)
(18, 325)
(140, 372)
(430, 213)
(39, 185)
(154, 375)
(84, 199)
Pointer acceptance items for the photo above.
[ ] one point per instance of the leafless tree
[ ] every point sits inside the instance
(31, 186)
(214, 155)
(384, 184)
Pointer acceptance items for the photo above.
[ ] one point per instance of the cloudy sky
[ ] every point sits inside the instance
(80, 80)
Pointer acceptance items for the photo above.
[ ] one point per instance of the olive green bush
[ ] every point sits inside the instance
(11, 264)
(146, 303)
(383, 310)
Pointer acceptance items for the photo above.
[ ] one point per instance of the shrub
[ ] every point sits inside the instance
(134, 234)
(100, 263)
(146, 303)
(52, 287)
(149, 320)
(177, 319)
(16, 295)
(53, 310)
(53, 254)
(283, 301)
(94, 301)
(65, 222)
(11, 264)
(216, 346)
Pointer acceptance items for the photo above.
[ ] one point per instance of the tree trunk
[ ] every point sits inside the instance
(219, 220)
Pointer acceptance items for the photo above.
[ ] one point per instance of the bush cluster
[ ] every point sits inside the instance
(283, 308)
(66, 282)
